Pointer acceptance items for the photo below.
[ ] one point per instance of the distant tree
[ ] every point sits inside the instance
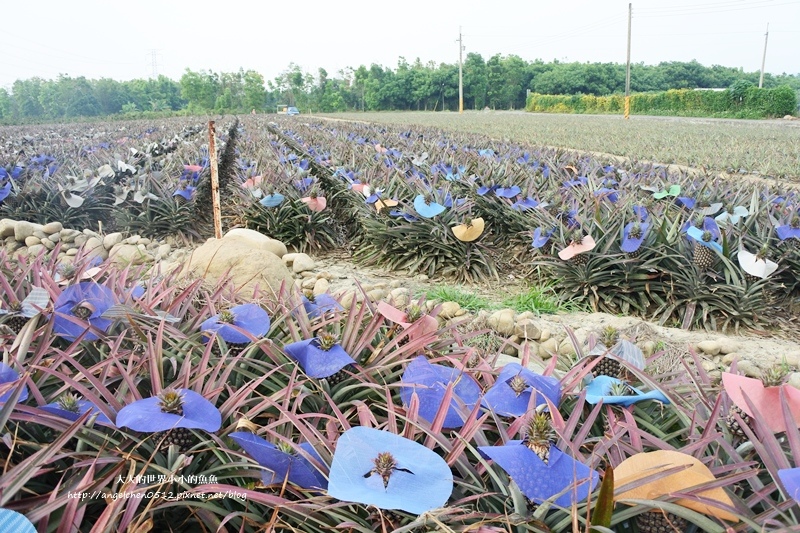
(494, 81)
(110, 95)
(476, 81)
(255, 94)
(26, 95)
(167, 91)
(517, 77)
(562, 78)
(645, 78)
(683, 75)
(79, 98)
(6, 104)
(500, 82)
(200, 89)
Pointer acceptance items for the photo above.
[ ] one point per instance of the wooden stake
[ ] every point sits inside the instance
(212, 159)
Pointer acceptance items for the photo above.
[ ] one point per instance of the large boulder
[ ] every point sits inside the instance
(238, 259)
(129, 254)
(257, 240)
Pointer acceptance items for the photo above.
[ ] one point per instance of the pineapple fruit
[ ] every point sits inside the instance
(703, 255)
(635, 233)
(234, 348)
(660, 522)
(326, 342)
(540, 434)
(582, 258)
(772, 377)
(609, 365)
(14, 320)
(171, 401)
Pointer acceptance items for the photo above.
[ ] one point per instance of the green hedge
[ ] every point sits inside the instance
(747, 102)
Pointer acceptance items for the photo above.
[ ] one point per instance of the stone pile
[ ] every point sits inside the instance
(31, 239)
(543, 337)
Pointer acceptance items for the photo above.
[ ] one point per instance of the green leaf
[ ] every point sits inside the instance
(605, 500)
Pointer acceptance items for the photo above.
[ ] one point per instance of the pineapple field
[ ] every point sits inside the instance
(143, 396)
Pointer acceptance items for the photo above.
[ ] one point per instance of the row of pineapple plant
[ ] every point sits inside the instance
(169, 390)
(535, 205)
(431, 202)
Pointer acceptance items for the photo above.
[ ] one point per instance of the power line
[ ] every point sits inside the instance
(710, 11)
(57, 56)
(50, 49)
(649, 34)
(579, 30)
(710, 5)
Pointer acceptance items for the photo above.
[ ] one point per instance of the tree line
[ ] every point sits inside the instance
(501, 82)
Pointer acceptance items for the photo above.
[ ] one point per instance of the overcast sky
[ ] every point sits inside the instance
(126, 40)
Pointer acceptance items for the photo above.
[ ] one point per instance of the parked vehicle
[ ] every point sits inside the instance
(287, 110)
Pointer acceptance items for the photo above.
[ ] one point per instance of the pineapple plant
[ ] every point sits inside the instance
(608, 365)
(635, 233)
(762, 255)
(326, 342)
(580, 258)
(619, 388)
(83, 310)
(518, 384)
(540, 434)
(14, 320)
(171, 401)
(609, 336)
(69, 402)
(703, 255)
(236, 326)
(774, 376)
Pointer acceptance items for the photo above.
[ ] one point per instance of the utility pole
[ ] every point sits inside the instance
(627, 112)
(460, 73)
(212, 163)
(763, 59)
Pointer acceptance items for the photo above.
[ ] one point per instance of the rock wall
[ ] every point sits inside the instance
(31, 239)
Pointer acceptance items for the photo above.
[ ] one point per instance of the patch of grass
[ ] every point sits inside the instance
(539, 299)
(466, 300)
